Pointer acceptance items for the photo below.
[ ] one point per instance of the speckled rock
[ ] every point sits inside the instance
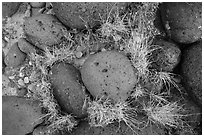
(79, 14)
(182, 21)
(15, 57)
(167, 57)
(67, 89)
(44, 30)
(9, 8)
(109, 74)
(19, 115)
(191, 70)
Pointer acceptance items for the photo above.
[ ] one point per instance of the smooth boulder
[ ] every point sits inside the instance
(20, 115)
(109, 74)
(182, 21)
(67, 89)
(191, 70)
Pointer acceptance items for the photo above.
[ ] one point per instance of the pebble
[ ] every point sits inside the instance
(11, 77)
(21, 75)
(79, 54)
(26, 80)
(21, 82)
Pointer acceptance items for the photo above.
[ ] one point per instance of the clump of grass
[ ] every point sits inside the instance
(142, 32)
(138, 92)
(58, 55)
(140, 54)
(103, 112)
(166, 114)
(114, 26)
(166, 79)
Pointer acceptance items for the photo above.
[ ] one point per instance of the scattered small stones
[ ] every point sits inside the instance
(7, 90)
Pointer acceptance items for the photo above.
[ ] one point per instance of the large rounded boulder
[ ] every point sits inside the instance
(182, 21)
(191, 70)
(20, 115)
(68, 91)
(109, 74)
(78, 15)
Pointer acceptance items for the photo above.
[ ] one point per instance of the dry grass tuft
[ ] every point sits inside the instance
(103, 112)
(165, 79)
(138, 92)
(62, 124)
(166, 114)
(114, 26)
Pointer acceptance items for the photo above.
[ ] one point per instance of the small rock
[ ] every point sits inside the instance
(26, 80)
(7, 90)
(44, 30)
(19, 115)
(36, 11)
(21, 82)
(22, 92)
(182, 21)
(37, 4)
(15, 57)
(191, 70)
(21, 74)
(78, 54)
(167, 57)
